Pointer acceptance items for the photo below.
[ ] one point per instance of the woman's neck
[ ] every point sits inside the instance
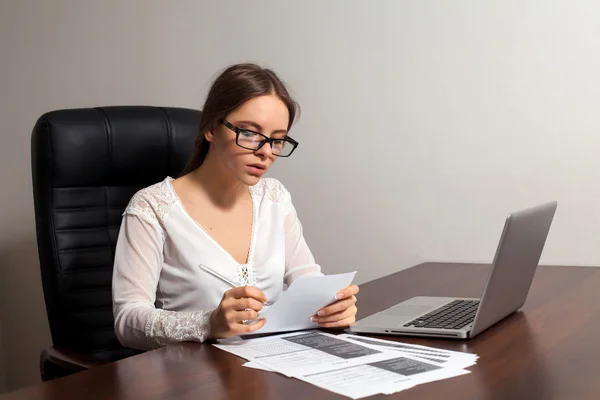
(223, 189)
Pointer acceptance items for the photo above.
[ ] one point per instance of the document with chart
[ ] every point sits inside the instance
(337, 364)
(443, 357)
(295, 354)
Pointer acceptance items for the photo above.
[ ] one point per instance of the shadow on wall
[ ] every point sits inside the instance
(25, 328)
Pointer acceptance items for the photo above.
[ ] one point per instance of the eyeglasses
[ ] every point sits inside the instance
(280, 147)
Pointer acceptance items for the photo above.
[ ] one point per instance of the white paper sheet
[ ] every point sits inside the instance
(444, 357)
(252, 364)
(305, 296)
(341, 365)
(387, 377)
(366, 380)
(301, 353)
(359, 381)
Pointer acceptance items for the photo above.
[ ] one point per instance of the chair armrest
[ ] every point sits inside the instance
(69, 359)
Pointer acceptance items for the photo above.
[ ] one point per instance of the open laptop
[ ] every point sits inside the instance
(512, 271)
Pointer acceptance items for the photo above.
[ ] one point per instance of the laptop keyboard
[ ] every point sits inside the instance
(454, 315)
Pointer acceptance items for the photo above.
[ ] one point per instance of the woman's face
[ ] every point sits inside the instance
(267, 115)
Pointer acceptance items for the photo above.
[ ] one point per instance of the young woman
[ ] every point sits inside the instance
(221, 215)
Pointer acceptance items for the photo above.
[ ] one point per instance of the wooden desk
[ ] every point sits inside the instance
(548, 351)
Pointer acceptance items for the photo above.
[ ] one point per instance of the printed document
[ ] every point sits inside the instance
(338, 364)
(386, 377)
(301, 353)
(443, 357)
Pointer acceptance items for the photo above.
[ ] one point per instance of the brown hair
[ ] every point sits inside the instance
(234, 86)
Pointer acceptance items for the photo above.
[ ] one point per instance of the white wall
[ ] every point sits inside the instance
(424, 122)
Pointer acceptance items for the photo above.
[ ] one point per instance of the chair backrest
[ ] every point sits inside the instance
(86, 165)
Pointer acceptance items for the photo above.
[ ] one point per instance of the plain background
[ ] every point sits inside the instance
(423, 122)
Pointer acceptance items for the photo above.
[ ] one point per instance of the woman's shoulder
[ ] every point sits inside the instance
(153, 202)
(272, 189)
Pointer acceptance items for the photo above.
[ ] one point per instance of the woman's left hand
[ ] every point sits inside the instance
(340, 314)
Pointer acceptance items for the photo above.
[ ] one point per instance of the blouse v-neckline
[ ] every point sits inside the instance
(250, 252)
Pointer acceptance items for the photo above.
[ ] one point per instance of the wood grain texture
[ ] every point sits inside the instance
(549, 350)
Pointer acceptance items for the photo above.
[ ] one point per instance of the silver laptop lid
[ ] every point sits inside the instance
(514, 265)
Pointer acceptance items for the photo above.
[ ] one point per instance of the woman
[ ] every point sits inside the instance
(220, 216)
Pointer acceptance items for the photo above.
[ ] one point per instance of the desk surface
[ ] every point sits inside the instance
(547, 351)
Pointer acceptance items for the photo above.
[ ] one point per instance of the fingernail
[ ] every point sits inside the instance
(339, 296)
(321, 313)
(313, 319)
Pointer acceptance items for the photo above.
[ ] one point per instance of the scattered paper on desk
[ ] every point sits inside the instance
(386, 377)
(252, 364)
(342, 365)
(444, 357)
(303, 299)
(299, 353)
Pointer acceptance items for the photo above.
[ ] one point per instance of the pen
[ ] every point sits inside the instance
(218, 276)
(227, 281)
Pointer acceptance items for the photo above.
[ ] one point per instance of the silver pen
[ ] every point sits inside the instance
(227, 281)
(218, 276)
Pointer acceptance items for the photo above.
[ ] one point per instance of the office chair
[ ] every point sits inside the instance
(86, 165)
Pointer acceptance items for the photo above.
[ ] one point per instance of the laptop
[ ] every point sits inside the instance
(512, 271)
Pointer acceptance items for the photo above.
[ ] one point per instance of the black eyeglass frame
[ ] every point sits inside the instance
(266, 139)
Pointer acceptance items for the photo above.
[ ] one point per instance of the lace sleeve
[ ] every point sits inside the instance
(138, 323)
(170, 326)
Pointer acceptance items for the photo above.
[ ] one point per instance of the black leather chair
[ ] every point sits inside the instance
(86, 165)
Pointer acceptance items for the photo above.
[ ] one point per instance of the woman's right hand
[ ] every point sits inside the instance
(237, 305)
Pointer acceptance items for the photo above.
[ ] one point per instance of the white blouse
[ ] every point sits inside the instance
(161, 296)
